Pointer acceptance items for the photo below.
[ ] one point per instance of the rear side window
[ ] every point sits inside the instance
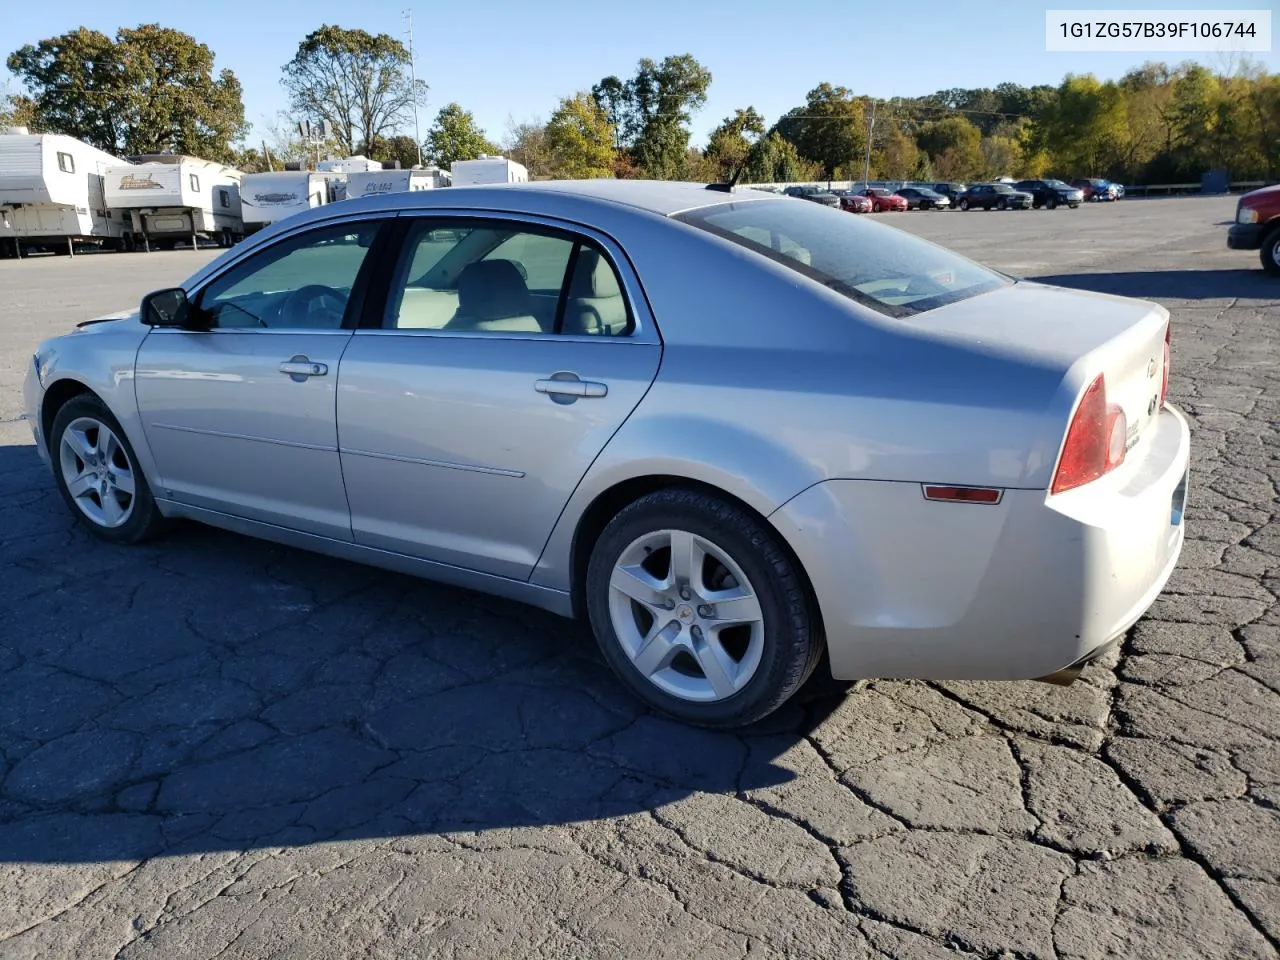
(195, 183)
(66, 162)
(886, 269)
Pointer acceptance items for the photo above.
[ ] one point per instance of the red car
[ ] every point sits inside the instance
(883, 199)
(855, 203)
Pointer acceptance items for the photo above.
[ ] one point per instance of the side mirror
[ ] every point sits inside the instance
(166, 308)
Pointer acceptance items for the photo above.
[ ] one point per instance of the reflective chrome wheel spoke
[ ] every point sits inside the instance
(82, 485)
(686, 559)
(659, 649)
(686, 616)
(717, 666)
(123, 480)
(112, 511)
(735, 606)
(639, 585)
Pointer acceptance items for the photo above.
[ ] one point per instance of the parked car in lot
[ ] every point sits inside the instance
(922, 198)
(816, 194)
(854, 202)
(1001, 196)
(1257, 226)
(1051, 193)
(952, 191)
(1095, 189)
(882, 198)
(899, 461)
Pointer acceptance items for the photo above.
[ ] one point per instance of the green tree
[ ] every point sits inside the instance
(150, 89)
(831, 128)
(729, 143)
(526, 143)
(398, 148)
(1086, 126)
(581, 139)
(650, 112)
(455, 136)
(775, 160)
(954, 146)
(358, 81)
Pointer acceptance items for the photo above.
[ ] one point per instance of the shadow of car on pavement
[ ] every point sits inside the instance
(212, 692)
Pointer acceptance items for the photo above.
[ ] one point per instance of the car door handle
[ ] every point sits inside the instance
(562, 385)
(300, 368)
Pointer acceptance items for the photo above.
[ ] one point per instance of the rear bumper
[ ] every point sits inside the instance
(1245, 236)
(1015, 591)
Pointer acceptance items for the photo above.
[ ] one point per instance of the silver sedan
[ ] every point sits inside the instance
(745, 438)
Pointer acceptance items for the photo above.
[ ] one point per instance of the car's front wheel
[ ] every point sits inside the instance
(700, 610)
(964, 204)
(1271, 253)
(98, 475)
(1051, 203)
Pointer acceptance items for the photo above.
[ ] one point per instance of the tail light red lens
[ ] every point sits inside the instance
(1164, 382)
(1096, 440)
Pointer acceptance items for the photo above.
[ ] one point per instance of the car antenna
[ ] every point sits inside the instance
(733, 181)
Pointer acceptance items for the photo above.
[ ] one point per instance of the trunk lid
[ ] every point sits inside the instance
(1076, 332)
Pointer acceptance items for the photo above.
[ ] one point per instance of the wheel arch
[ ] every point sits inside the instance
(610, 501)
(56, 396)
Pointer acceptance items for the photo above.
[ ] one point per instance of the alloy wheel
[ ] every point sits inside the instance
(686, 615)
(97, 472)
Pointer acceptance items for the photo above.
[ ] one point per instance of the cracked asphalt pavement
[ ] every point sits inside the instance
(216, 747)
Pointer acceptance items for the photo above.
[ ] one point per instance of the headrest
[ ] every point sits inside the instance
(593, 277)
(492, 290)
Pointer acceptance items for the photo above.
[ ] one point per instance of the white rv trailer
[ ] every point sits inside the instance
(356, 164)
(486, 169)
(388, 181)
(171, 198)
(51, 194)
(268, 197)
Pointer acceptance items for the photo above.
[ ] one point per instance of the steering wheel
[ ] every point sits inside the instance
(314, 305)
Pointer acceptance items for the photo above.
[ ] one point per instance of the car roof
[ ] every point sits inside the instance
(662, 197)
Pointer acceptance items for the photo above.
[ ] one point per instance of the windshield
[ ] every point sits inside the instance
(1055, 183)
(881, 267)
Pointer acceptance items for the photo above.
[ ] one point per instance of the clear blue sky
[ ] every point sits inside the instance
(503, 60)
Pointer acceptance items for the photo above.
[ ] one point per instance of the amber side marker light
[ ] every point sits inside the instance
(949, 494)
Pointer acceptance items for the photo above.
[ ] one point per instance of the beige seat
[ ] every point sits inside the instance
(595, 304)
(493, 297)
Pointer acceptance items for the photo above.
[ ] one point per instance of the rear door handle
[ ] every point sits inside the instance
(568, 385)
(300, 368)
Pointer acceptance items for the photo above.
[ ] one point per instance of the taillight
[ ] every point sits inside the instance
(1096, 440)
(1164, 382)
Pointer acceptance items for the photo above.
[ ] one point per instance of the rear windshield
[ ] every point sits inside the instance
(881, 267)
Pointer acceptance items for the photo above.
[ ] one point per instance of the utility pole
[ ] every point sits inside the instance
(871, 132)
(413, 80)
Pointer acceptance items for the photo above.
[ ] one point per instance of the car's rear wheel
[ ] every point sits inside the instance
(1271, 253)
(98, 475)
(1051, 204)
(700, 610)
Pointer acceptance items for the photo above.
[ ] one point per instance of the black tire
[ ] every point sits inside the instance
(1270, 253)
(145, 520)
(964, 204)
(1051, 204)
(791, 644)
(1003, 204)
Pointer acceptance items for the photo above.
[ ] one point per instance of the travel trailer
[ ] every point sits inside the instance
(390, 181)
(356, 164)
(170, 198)
(268, 197)
(486, 169)
(51, 194)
